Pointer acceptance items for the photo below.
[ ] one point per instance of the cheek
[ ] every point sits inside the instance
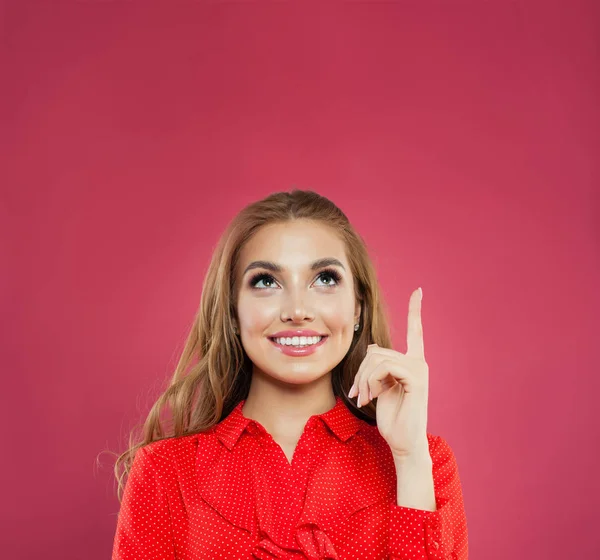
(256, 313)
(337, 315)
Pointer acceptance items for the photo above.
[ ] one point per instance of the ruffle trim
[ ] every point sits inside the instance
(314, 544)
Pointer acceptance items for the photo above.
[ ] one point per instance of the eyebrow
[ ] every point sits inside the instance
(274, 267)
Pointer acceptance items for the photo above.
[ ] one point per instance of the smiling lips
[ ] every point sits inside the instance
(295, 349)
(295, 332)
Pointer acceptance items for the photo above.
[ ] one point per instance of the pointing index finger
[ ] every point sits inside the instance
(414, 337)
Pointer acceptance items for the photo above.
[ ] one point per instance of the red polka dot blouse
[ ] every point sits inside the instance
(230, 492)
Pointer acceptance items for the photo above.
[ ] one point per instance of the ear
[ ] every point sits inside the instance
(357, 310)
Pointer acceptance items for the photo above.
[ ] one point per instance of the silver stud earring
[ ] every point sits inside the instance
(356, 327)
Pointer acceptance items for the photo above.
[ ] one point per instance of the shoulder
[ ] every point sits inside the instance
(173, 453)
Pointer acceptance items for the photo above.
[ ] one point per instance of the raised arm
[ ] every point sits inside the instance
(418, 534)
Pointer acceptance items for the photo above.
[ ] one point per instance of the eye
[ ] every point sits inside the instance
(259, 278)
(329, 273)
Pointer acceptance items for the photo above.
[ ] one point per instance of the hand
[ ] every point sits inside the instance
(400, 383)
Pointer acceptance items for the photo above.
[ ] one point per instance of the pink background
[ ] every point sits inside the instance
(461, 139)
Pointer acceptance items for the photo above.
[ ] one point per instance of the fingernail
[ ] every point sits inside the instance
(358, 401)
(350, 395)
(370, 395)
(421, 292)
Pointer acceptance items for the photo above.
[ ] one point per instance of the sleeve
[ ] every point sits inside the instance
(416, 534)
(144, 528)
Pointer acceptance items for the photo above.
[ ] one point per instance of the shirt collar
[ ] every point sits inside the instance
(338, 419)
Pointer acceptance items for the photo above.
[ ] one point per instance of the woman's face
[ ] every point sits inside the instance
(295, 297)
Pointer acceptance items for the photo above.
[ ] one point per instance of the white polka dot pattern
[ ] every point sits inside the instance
(231, 493)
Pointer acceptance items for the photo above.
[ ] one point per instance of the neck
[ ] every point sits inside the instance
(282, 408)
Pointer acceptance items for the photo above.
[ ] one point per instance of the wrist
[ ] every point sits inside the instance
(417, 458)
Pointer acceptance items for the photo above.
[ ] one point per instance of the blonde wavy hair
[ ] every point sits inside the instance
(213, 373)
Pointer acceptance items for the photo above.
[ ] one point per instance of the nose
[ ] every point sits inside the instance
(295, 309)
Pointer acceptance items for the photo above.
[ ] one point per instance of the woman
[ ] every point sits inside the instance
(267, 456)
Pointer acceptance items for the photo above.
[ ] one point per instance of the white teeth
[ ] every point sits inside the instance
(298, 340)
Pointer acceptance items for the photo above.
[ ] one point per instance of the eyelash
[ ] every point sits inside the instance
(264, 276)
